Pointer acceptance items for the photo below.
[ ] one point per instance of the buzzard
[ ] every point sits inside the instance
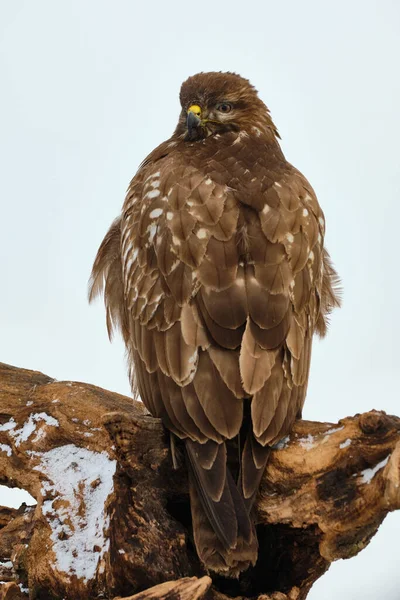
(217, 276)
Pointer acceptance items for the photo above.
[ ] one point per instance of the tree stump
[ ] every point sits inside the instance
(112, 518)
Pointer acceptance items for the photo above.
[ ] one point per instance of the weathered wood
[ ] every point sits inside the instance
(11, 591)
(188, 588)
(112, 517)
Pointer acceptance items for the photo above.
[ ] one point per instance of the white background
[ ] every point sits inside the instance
(88, 88)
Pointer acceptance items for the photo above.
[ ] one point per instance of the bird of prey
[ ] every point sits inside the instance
(217, 276)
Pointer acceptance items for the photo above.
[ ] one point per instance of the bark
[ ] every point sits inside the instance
(112, 518)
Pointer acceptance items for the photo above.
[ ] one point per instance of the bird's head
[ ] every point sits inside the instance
(216, 103)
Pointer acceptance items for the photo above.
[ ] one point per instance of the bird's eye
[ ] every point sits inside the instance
(224, 107)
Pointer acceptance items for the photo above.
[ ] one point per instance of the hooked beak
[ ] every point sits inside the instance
(192, 121)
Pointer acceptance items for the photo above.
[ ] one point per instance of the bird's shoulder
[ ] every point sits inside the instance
(203, 205)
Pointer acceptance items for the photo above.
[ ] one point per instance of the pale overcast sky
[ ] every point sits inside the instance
(89, 87)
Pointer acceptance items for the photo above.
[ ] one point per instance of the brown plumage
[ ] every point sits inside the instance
(217, 276)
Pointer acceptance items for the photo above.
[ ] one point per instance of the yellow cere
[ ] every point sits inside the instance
(195, 109)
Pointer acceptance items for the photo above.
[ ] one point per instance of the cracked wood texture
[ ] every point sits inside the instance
(112, 518)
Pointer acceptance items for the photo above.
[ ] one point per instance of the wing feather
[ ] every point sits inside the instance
(197, 413)
(223, 409)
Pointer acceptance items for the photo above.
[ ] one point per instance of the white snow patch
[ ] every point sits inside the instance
(345, 444)
(282, 443)
(333, 430)
(23, 434)
(7, 564)
(120, 551)
(29, 403)
(328, 433)
(156, 213)
(6, 448)
(290, 237)
(11, 424)
(369, 474)
(80, 482)
(307, 442)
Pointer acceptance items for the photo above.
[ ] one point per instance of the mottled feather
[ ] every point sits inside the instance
(217, 275)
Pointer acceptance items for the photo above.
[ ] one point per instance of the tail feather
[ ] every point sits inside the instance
(244, 522)
(211, 550)
(224, 533)
(214, 493)
(253, 463)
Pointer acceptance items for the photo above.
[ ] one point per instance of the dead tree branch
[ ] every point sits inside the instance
(112, 518)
